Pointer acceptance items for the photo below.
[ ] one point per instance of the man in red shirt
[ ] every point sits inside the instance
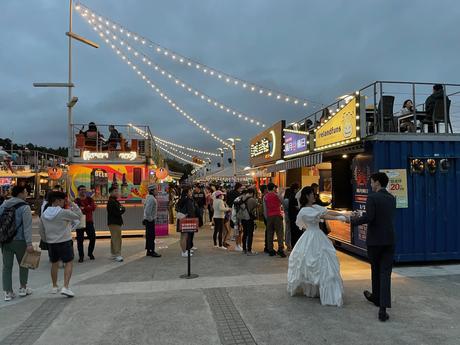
(88, 207)
(274, 220)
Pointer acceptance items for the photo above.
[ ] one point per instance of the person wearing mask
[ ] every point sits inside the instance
(21, 242)
(200, 201)
(293, 210)
(87, 206)
(55, 230)
(186, 206)
(247, 216)
(274, 220)
(114, 221)
(150, 215)
(219, 215)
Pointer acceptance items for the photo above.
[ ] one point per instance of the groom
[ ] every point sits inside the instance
(380, 213)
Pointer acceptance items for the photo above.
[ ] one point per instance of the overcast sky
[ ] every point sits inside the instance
(313, 49)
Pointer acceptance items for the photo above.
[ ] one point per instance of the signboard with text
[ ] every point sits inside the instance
(267, 147)
(295, 143)
(340, 130)
(398, 186)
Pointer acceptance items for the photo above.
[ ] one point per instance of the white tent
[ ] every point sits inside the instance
(226, 174)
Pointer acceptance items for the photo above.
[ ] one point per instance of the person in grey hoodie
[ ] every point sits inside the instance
(150, 216)
(21, 243)
(55, 229)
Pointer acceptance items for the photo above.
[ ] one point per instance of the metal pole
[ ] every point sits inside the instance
(234, 158)
(415, 107)
(381, 109)
(446, 124)
(375, 109)
(69, 108)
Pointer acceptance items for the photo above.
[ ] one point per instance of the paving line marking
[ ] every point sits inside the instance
(230, 325)
(38, 322)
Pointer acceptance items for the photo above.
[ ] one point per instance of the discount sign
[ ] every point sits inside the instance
(398, 186)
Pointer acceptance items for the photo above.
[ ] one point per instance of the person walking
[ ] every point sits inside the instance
(55, 230)
(380, 241)
(87, 206)
(274, 220)
(20, 243)
(247, 216)
(150, 215)
(219, 215)
(114, 221)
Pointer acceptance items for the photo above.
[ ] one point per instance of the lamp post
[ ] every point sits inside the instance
(233, 141)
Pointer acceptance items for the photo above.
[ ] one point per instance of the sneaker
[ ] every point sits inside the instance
(252, 253)
(185, 254)
(91, 257)
(67, 292)
(238, 249)
(222, 248)
(155, 255)
(194, 248)
(23, 292)
(54, 290)
(9, 296)
(216, 246)
(119, 258)
(80, 260)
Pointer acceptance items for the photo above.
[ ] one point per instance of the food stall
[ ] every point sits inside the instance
(423, 169)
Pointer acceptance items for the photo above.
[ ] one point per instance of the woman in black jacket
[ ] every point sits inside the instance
(293, 211)
(114, 221)
(186, 205)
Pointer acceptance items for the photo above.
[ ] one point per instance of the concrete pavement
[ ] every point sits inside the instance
(236, 300)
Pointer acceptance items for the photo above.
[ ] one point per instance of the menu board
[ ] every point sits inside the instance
(295, 143)
(162, 221)
(398, 186)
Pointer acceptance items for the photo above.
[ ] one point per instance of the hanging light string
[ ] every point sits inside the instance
(181, 158)
(160, 144)
(157, 139)
(154, 87)
(185, 61)
(177, 81)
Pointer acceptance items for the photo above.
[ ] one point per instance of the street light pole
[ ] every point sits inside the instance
(69, 108)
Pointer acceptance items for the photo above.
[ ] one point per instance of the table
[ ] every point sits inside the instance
(419, 116)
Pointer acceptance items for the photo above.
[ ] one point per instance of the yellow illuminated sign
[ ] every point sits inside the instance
(340, 129)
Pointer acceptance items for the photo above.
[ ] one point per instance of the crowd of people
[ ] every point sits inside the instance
(313, 268)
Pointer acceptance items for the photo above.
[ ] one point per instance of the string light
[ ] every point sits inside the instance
(186, 148)
(197, 93)
(162, 94)
(188, 62)
(160, 144)
(181, 158)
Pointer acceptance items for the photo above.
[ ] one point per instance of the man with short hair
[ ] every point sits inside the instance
(21, 242)
(87, 206)
(380, 240)
(114, 221)
(247, 217)
(437, 95)
(274, 220)
(150, 216)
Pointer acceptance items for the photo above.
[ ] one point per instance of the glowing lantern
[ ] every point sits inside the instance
(55, 173)
(161, 173)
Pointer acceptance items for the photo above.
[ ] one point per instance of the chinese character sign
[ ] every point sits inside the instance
(295, 144)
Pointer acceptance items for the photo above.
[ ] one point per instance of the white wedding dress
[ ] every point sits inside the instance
(314, 269)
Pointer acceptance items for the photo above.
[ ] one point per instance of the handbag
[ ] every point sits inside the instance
(31, 260)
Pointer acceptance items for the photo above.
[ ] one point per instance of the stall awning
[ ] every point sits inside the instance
(304, 161)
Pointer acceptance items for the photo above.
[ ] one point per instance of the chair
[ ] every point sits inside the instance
(438, 114)
(387, 102)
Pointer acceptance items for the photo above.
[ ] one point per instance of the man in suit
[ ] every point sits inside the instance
(380, 213)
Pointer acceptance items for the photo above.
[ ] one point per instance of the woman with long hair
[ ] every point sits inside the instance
(314, 269)
(186, 205)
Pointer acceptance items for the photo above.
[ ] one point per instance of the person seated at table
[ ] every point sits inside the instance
(114, 137)
(407, 125)
(437, 95)
(92, 135)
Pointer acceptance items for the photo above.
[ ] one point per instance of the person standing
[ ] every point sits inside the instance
(219, 215)
(230, 198)
(87, 206)
(187, 207)
(274, 220)
(150, 215)
(21, 242)
(293, 210)
(248, 216)
(380, 241)
(263, 192)
(287, 224)
(55, 230)
(200, 201)
(114, 221)
(318, 201)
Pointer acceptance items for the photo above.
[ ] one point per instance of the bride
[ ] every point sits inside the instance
(313, 265)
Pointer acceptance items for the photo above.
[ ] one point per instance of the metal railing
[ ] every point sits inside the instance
(379, 119)
(35, 161)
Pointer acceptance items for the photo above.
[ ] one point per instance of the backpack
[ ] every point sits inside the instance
(241, 209)
(8, 228)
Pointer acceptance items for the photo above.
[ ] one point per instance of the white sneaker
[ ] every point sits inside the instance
(238, 249)
(119, 258)
(9, 296)
(216, 246)
(23, 292)
(222, 248)
(67, 292)
(185, 254)
(194, 248)
(54, 290)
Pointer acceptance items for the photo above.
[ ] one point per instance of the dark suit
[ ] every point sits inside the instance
(380, 214)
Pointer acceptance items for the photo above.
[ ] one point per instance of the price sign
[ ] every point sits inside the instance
(398, 186)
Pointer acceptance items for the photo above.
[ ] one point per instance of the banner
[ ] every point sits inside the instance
(295, 143)
(398, 186)
(340, 129)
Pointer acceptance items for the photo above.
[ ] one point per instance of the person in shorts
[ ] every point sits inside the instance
(55, 229)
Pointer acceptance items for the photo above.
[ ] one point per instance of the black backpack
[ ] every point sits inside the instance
(8, 228)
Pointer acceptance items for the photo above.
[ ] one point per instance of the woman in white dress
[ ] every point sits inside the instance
(313, 265)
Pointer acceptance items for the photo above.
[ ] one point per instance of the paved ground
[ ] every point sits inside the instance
(236, 300)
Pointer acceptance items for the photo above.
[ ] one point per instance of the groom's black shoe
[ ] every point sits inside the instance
(370, 297)
(383, 315)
